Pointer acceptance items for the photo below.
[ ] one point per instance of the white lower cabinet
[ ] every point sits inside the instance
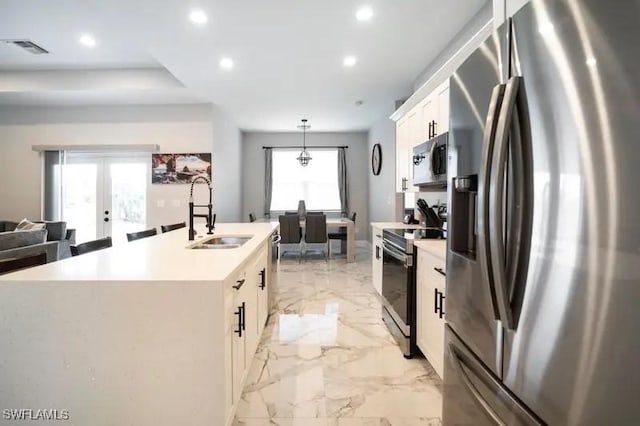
(376, 259)
(261, 275)
(246, 304)
(430, 297)
(238, 335)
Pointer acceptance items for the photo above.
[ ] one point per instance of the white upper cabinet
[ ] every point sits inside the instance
(402, 155)
(442, 122)
(415, 126)
(426, 120)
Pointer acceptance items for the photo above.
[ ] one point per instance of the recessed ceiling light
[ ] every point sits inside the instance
(365, 13)
(198, 17)
(349, 61)
(87, 40)
(226, 63)
(591, 61)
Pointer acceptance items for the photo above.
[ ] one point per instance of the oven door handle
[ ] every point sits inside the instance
(396, 254)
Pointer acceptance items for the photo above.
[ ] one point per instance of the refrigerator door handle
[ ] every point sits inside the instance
(484, 253)
(520, 213)
(497, 201)
(457, 362)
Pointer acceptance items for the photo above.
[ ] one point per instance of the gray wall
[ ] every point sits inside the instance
(382, 188)
(227, 175)
(358, 163)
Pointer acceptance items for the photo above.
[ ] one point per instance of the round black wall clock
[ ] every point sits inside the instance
(376, 159)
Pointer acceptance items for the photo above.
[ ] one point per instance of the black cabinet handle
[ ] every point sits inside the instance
(240, 283)
(435, 301)
(244, 316)
(239, 314)
(442, 297)
(378, 252)
(440, 271)
(263, 279)
(430, 130)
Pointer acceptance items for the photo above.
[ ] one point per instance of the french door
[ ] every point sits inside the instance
(105, 195)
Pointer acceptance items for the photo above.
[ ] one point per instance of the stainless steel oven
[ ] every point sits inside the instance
(399, 288)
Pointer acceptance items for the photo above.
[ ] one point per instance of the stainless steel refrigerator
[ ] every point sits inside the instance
(543, 273)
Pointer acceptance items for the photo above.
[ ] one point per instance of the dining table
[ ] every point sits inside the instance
(334, 223)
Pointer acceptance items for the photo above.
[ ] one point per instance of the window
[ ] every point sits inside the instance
(316, 184)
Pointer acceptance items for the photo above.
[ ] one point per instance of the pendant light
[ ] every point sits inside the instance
(304, 156)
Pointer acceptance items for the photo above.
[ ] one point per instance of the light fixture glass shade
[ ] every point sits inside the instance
(304, 158)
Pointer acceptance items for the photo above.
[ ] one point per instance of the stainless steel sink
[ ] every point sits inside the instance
(222, 243)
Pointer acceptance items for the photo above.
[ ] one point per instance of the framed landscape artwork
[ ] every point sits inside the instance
(179, 168)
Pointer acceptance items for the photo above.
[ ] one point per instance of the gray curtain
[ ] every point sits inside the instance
(343, 182)
(268, 180)
(53, 161)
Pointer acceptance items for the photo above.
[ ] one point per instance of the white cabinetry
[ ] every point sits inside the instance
(427, 119)
(430, 287)
(415, 126)
(260, 277)
(377, 259)
(246, 303)
(429, 116)
(442, 120)
(402, 155)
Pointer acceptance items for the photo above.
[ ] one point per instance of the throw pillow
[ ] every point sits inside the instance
(27, 225)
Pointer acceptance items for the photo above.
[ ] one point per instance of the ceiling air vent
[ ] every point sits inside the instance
(29, 46)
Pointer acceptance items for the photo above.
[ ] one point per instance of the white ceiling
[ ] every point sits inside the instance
(288, 53)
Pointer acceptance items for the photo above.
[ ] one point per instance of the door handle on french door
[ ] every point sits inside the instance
(472, 388)
(484, 254)
(497, 201)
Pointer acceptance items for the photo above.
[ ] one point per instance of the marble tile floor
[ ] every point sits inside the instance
(327, 359)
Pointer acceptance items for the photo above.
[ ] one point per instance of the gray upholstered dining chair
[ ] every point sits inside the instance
(315, 233)
(290, 233)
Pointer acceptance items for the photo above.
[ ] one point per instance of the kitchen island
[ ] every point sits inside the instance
(153, 332)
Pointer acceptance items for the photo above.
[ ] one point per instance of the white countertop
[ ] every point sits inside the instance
(394, 225)
(164, 257)
(438, 248)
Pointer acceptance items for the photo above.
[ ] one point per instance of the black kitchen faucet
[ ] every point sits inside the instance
(211, 218)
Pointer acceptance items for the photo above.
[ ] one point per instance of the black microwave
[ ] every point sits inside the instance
(430, 162)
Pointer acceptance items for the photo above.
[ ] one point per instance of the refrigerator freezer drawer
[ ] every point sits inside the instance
(473, 396)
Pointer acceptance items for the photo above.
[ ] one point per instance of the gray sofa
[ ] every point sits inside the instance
(27, 243)
(56, 240)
